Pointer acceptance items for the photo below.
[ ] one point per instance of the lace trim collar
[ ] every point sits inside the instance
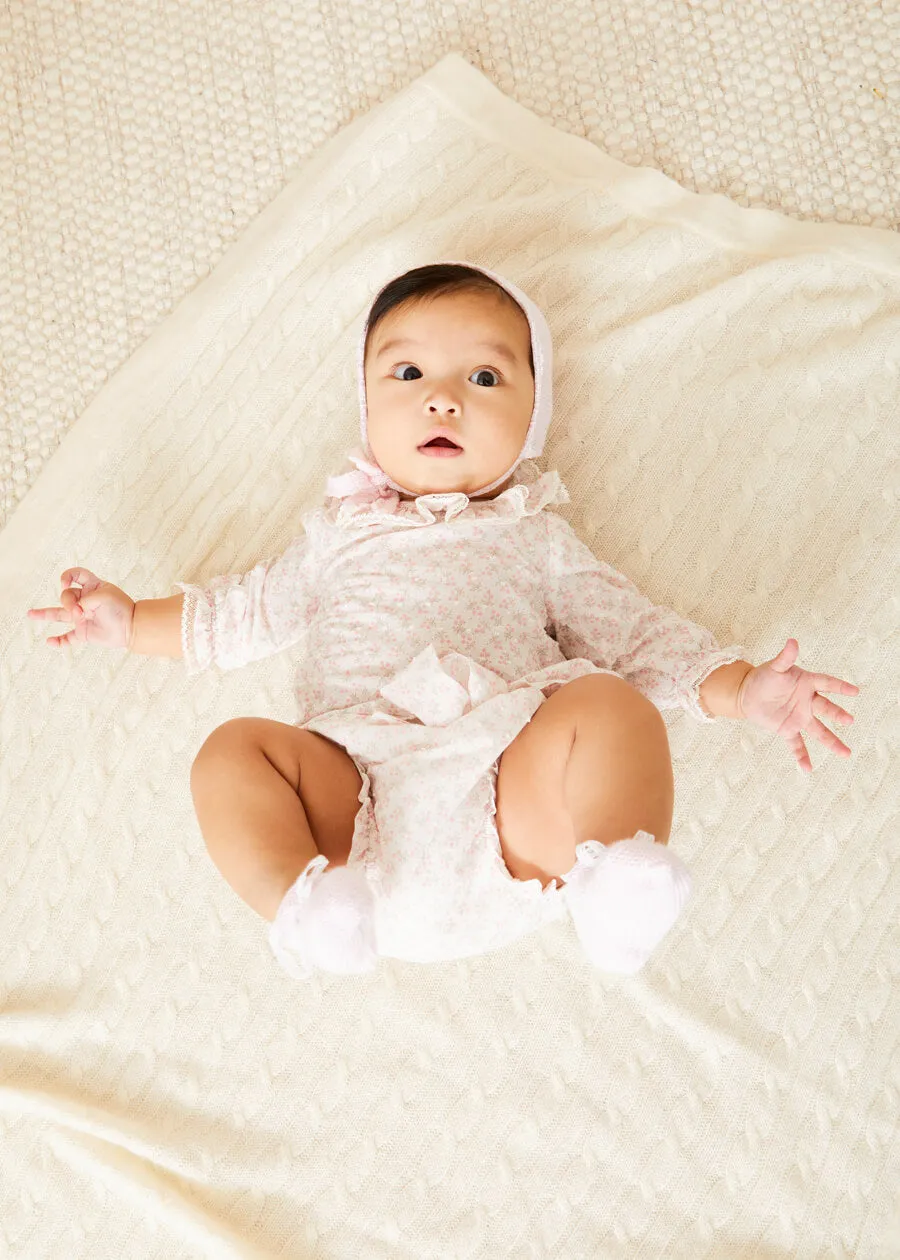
(529, 494)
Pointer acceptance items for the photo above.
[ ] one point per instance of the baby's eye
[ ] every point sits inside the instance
(477, 372)
(404, 377)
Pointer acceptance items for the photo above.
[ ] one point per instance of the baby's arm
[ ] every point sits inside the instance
(600, 615)
(231, 620)
(236, 618)
(156, 627)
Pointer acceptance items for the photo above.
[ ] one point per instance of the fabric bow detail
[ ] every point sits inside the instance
(367, 487)
(438, 690)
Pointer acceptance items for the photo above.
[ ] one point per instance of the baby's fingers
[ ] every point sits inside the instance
(69, 599)
(60, 639)
(56, 614)
(74, 614)
(55, 638)
(798, 748)
(828, 738)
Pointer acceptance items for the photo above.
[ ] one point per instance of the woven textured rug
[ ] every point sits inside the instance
(727, 424)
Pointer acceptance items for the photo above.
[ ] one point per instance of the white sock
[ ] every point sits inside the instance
(624, 898)
(325, 922)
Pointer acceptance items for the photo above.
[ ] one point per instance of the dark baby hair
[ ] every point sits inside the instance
(434, 280)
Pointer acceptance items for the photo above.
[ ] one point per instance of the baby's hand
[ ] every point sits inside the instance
(102, 614)
(780, 696)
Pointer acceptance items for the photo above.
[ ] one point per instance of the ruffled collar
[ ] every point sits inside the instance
(364, 496)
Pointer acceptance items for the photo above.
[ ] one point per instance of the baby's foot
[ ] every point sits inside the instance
(325, 922)
(624, 898)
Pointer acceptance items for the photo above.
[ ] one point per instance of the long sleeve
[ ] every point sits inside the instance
(238, 618)
(601, 616)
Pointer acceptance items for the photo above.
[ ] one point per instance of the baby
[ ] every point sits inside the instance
(479, 748)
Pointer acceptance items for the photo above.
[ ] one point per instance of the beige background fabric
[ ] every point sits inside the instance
(137, 141)
(726, 421)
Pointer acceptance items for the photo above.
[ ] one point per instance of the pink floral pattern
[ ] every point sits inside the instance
(429, 632)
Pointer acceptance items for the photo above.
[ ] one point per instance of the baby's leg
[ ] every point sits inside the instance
(596, 773)
(593, 763)
(268, 798)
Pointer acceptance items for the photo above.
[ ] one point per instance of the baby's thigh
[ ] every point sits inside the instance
(329, 790)
(320, 771)
(593, 762)
(533, 825)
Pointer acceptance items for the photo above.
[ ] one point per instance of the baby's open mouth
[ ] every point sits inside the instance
(440, 441)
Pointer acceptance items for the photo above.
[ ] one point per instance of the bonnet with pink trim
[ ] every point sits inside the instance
(371, 482)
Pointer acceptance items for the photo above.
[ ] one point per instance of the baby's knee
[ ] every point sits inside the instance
(220, 751)
(612, 709)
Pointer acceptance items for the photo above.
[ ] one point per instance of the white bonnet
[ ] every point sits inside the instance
(542, 353)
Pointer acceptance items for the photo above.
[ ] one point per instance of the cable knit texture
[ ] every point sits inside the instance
(726, 411)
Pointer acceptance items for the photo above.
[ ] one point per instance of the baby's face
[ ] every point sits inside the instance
(440, 373)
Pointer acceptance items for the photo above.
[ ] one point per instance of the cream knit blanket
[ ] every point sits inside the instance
(726, 420)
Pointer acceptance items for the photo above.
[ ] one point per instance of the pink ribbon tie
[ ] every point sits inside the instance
(365, 488)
